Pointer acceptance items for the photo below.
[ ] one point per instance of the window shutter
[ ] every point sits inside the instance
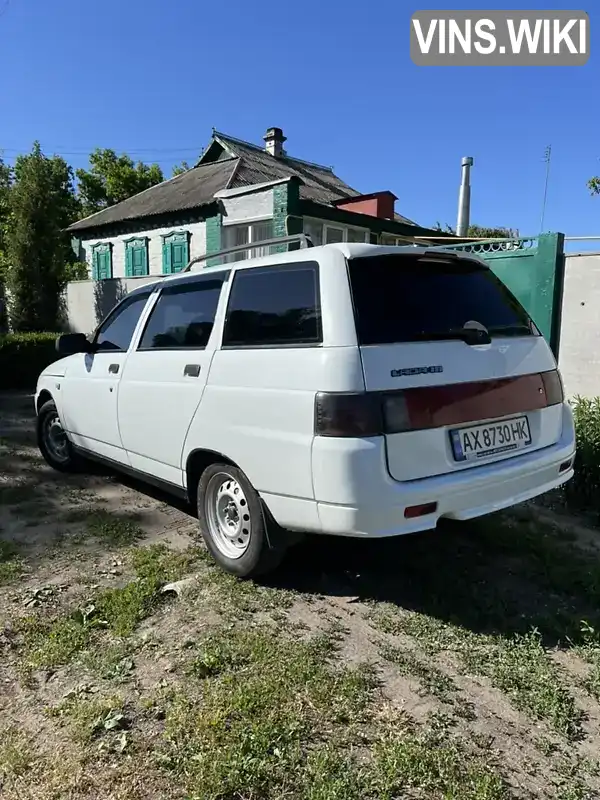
(95, 265)
(167, 258)
(128, 261)
(179, 256)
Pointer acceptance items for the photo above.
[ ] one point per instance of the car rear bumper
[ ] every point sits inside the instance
(379, 503)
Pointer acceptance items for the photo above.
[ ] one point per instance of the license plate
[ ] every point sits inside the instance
(481, 441)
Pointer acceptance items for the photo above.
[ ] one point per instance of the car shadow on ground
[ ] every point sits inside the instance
(501, 574)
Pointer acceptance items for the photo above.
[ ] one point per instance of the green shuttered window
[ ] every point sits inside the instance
(136, 257)
(102, 261)
(175, 251)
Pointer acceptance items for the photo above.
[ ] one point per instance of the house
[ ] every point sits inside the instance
(237, 193)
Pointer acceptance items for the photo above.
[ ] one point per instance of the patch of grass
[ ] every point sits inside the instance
(432, 680)
(59, 641)
(521, 668)
(90, 717)
(11, 564)
(260, 701)
(50, 644)
(422, 762)
(15, 754)
(113, 529)
(112, 661)
(519, 665)
(244, 598)
(268, 716)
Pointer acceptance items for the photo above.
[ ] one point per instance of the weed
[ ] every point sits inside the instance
(15, 754)
(11, 565)
(113, 529)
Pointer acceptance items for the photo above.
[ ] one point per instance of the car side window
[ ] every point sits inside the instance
(184, 314)
(274, 306)
(116, 331)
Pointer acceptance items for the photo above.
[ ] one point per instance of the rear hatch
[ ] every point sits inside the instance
(465, 376)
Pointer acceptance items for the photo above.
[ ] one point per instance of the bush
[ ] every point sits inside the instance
(23, 356)
(583, 490)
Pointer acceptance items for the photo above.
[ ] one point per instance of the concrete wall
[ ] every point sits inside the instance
(579, 354)
(88, 302)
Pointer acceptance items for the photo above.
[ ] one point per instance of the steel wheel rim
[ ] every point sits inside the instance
(55, 438)
(228, 515)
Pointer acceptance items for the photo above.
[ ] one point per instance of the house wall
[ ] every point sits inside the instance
(88, 302)
(247, 206)
(579, 353)
(197, 246)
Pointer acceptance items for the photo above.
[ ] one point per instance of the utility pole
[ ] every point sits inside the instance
(464, 197)
(547, 156)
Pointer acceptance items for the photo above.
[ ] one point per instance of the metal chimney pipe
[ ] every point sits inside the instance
(464, 197)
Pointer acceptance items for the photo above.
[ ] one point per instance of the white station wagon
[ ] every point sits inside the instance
(350, 390)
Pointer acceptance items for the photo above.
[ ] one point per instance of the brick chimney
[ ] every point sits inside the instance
(376, 204)
(274, 139)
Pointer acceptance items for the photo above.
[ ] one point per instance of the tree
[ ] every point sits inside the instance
(481, 232)
(179, 169)
(42, 204)
(112, 178)
(5, 181)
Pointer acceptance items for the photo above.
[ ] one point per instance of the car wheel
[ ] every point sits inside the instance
(52, 440)
(234, 524)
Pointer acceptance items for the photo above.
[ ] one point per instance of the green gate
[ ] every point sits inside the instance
(533, 268)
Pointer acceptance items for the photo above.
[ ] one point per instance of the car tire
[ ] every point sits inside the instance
(235, 525)
(52, 440)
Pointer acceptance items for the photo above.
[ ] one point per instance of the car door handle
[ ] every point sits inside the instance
(191, 370)
(113, 368)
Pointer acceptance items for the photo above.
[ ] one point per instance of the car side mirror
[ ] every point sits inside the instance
(70, 343)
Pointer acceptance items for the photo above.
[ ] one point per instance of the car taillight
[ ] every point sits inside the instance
(553, 387)
(345, 414)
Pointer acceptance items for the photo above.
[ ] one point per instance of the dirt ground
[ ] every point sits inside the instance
(464, 663)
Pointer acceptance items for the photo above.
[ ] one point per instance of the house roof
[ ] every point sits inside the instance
(226, 163)
(191, 189)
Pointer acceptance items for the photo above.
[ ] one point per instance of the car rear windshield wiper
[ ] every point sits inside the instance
(519, 329)
(467, 335)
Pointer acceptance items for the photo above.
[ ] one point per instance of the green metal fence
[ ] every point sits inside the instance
(533, 268)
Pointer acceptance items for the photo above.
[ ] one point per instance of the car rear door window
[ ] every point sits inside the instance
(410, 297)
(274, 306)
(184, 314)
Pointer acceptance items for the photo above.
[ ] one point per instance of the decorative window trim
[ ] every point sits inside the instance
(130, 244)
(96, 249)
(168, 239)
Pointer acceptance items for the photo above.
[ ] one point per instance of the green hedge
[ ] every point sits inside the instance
(582, 492)
(23, 356)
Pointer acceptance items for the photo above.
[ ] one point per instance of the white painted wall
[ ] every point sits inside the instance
(197, 246)
(247, 207)
(579, 354)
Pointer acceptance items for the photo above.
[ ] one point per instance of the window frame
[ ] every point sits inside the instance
(134, 243)
(128, 300)
(325, 224)
(203, 277)
(245, 255)
(96, 249)
(312, 265)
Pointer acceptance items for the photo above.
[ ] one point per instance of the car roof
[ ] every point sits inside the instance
(348, 250)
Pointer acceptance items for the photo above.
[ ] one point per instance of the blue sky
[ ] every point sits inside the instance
(151, 78)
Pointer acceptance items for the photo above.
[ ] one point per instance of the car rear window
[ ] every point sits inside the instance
(407, 298)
